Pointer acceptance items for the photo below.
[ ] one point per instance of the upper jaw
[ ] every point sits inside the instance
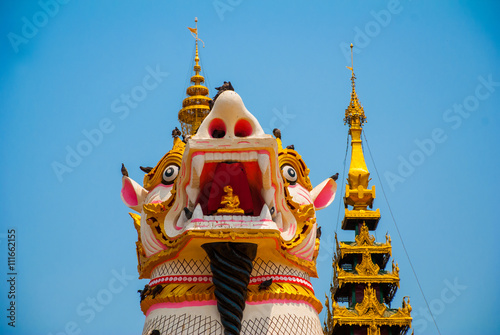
(203, 163)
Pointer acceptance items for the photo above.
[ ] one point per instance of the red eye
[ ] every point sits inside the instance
(217, 128)
(243, 128)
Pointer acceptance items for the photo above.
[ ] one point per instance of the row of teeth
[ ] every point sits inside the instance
(265, 215)
(198, 162)
(267, 192)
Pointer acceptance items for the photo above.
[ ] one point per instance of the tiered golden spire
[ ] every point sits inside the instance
(357, 193)
(197, 105)
(359, 276)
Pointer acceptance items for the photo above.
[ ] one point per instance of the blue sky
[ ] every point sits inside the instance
(428, 78)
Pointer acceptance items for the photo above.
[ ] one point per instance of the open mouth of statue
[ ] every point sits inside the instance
(230, 190)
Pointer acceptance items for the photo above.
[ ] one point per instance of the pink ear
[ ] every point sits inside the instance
(133, 194)
(324, 193)
(128, 193)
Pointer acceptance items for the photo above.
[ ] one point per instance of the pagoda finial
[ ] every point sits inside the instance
(357, 193)
(197, 105)
(354, 114)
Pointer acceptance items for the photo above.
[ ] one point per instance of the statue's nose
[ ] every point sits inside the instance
(229, 119)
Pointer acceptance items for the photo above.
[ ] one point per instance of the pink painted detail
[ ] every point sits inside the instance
(161, 245)
(323, 198)
(181, 305)
(306, 195)
(307, 253)
(326, 195)
(129, 194)
(283, 203)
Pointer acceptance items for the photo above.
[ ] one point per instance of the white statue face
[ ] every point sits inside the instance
(271, 192)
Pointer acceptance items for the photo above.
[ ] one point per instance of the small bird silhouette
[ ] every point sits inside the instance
(176, 132)
(291, 147)
(124, 171)
(335, 176)
(156, 290)
(144, 292)
(277, 133)
(318, 232)
(265, 284)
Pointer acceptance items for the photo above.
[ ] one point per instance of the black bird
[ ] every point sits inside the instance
(291, 146)
(145, 292)
(225, 87)
(176, 132)
(124, 171)
(318, 232)
(335, 176)
(156, 290)
(146, 169)
(277, 133)
(265, 284)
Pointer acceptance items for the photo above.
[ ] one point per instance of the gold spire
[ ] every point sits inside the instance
(357, 193)
(354, 114)
(197, 105)
(359, 275)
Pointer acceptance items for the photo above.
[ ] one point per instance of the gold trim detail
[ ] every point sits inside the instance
(370, 312)
(146, 265)
(364, 237)
(292, 158)
(367, 267)
(177, 293)
(174, 156)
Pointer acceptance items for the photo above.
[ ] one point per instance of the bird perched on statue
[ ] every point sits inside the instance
(291, 147)
(124, 170)
(318, 232)
(225, 87)
(277, 133)
(265, 284)
(145, 292)
(335, 176)
(176, 132)
(156, 290)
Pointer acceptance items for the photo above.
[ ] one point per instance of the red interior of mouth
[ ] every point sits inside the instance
(245, 179)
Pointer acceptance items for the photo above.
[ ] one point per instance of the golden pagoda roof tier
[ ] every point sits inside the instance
(354, 218)
(344, 294)
(367, 276)
(195, 90)
(371, 313)
(196, 101)
(364, 242)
